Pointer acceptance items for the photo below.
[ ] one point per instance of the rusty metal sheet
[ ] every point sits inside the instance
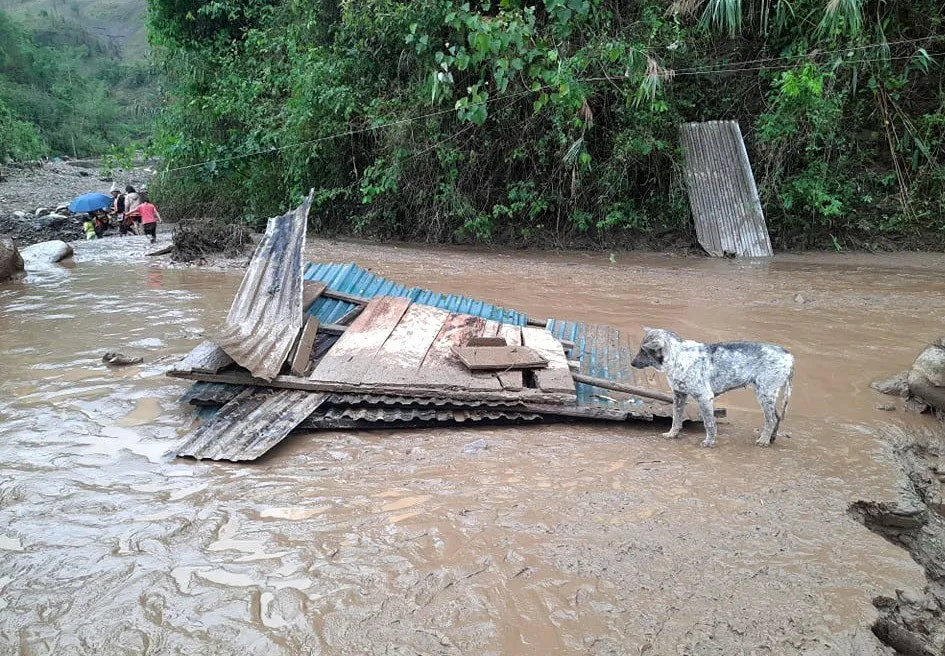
(722, 192)
(251, 424)
(266, 314)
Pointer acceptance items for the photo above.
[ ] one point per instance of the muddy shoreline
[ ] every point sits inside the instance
(554, 539)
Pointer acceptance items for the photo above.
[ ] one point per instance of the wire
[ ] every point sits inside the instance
(672, 72)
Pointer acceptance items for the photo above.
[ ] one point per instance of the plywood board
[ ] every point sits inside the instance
(557, 376)
(398, 360)
(352, 356)
(440, 368)
(499, 358)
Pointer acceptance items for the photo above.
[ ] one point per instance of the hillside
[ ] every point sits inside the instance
(118, 24)
(74, 79)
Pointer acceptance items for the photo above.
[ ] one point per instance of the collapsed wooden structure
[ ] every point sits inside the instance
(333, 346)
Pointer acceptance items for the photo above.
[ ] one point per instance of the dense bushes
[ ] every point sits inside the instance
(553, 121)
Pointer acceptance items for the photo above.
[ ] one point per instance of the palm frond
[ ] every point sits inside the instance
(723, 15)
(842, 16)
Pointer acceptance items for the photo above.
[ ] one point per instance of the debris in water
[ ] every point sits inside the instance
(120, 360)
(353, 350)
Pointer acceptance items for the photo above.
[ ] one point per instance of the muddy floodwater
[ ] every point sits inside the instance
(556, 539)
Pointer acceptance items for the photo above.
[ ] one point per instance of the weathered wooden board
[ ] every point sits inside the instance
(557, 376)
(207, 357)
(303, 351)
(499, 358)
(488, 341)
(398, 361)
(438, 392)
(441, 368)
(511, 380)
(251, 424)
(353, 355)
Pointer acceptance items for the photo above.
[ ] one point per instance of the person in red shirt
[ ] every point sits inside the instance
(149, 217)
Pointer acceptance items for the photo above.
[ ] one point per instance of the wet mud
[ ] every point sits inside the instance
(596, 539)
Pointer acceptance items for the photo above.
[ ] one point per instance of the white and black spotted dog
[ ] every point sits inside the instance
(704, 371)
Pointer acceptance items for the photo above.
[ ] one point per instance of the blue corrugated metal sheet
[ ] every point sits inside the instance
(602, 355)
(352, 279)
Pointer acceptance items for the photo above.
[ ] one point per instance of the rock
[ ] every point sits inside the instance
(53, 220)
(11, 263)
(476, 447)
(47, 252)
(800, 299)
(896, 386)
(917, 405)
(886, 407)
(119, 359)
(20, 214)
(62, 208)
(929, 366)
(41, 211)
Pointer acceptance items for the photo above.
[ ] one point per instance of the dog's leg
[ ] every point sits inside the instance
(679, 407)
(768, 405)
(707, 408)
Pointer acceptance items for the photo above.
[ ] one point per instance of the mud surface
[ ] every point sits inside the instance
(596, 539)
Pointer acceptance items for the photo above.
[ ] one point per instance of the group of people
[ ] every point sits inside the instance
(131, 210)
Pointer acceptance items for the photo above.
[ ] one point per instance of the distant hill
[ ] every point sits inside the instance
(74, 77)
(118, 24)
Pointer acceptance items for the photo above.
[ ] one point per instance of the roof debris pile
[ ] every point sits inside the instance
(332, 346)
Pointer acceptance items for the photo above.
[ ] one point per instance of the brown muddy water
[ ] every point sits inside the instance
(599, 539)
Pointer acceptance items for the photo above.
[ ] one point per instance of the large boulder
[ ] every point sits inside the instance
(929, 366)
(47, 252)
(11, 263)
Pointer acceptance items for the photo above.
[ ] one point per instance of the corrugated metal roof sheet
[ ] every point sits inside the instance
(249, 425)
(266, 314)
(352, 279)
(602, 354)
(722, 192)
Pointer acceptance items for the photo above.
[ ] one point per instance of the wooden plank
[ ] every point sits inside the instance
(251, 424)
(353, 355)
(207, 357)
(615, 386)
(499, 358)
(311, 290)
(423, 391)
(557, 376)
(303, 353)
(349, 298)
(398, 361)
(440, 368)
(511, 380)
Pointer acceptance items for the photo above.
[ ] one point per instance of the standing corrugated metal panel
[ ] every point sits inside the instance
(266, 314)
(722, 192)
(352, 279)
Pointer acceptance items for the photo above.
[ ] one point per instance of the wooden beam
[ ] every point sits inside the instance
(435, 392)
(342, 296)
(613, 385)
(303, 352)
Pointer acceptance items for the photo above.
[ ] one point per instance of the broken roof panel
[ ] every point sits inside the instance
(266, 314)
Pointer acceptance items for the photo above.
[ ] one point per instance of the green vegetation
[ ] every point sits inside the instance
(63, 91)
(553, 121)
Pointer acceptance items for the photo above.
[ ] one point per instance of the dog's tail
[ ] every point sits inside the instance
(786, 393)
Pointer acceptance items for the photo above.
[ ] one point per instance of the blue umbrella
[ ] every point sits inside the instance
(90, 203)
